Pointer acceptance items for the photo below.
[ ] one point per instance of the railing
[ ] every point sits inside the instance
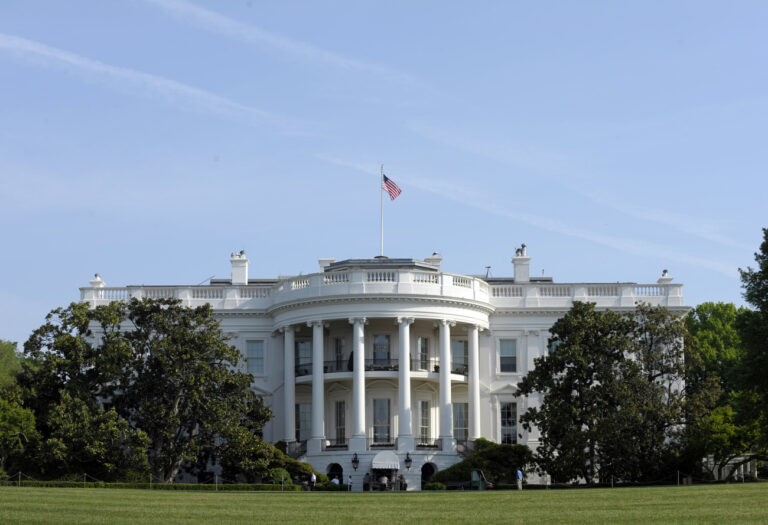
(458, 368)
(465, 447)
(428, 365)
(434, 444)
(207, 292)
(298, 284)
(344, 365)
(159, 293)
(254, 292)
(296, 449)
(646, 290)
(335, 278)
(303, 369)
(464, 282)
(112, 294)
(335, 444)
(381, 277)
(426, 278)
(602, 291)
(381, 365)
(554, 291)
(380, 443)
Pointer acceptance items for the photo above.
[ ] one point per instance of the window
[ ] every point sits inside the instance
(425, 431)
(255, 357)
(381, 421)
(508, 355)
(422, 353)
(509, 423)
(460, 421)
(340, 422)
(459, 357)
(380, 349)
(303, 357)
(339, 354)
(303, 421)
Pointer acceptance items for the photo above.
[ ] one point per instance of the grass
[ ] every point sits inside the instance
(716, 504)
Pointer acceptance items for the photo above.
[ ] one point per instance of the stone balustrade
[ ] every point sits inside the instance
(398, 282)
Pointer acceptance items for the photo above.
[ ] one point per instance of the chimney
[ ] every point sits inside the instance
(665, 278)
(325, 263)
(435, 260)
(522, 265)
(239, 267)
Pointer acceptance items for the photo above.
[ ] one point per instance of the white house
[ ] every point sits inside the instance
(392, 367)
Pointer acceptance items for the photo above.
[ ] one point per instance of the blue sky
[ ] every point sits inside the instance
(148, 139)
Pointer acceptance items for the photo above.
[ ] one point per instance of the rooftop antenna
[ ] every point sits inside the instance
(203, 281)
(487, 271)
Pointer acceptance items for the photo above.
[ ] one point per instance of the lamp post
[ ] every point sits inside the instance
(355, 461)
(408, 460)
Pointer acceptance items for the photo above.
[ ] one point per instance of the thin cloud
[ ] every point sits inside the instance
(231, 28)
(560, 170)
(152, 86)
(470, 196)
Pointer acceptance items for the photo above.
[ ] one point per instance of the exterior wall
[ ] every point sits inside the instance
(412, 297)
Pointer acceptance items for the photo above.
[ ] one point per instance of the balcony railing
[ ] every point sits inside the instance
(427, 444)
(425, 365)
(381, 365)
(344, 365)
(303, 369)
(336, 444)
(379, 443)
(296, 449)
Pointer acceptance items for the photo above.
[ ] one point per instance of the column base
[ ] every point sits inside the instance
(405, 443)
(449, 445)
(314, 446)
(358, 444)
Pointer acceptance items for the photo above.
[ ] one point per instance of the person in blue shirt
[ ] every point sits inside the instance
(519, 479)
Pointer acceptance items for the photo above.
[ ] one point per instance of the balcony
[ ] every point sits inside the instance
(429, 444)
(335, 444)
(380, 443)
(381, 365)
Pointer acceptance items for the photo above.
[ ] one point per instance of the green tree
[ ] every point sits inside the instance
(84, 438)
(613, 399)
(9, 364)
(17, 432)
(164, 368)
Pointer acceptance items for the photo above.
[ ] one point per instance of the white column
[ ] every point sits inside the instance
(405, 432)
(474, 383)
(318, 388)
(446, 410)
(357, 441)
(289, 384)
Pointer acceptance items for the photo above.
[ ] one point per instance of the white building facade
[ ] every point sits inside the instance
(391, 367)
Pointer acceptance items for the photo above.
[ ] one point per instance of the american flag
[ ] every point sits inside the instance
(390, 187)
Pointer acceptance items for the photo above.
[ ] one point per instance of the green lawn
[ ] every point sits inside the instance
(720, 504)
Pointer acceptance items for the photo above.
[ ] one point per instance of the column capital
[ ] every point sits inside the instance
(317, 322)
(288, 328)
(355, 320)
(405, 320)
(445, 322)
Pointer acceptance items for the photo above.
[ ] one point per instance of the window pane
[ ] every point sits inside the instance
(459, 357)
(340, 422)
(508, 355)
(255, 357)
(425, 433)
(422, 353)
(303, 421)
(381, 349)
(460, 425)
(381, 421)
(509, 423)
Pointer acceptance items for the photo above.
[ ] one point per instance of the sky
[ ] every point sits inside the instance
(148, 139)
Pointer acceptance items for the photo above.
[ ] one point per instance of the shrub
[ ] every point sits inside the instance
(434, 485)
(497, 461)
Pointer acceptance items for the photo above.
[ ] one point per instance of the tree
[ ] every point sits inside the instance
(17, 430)
(9, 364)
(753, 326)
(165, 369)
(612, 395)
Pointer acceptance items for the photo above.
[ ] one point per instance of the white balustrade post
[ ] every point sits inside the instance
(446, 410)
(474, 383)
(357, 441)
(289, 384)
(405, 432)
(318, 388)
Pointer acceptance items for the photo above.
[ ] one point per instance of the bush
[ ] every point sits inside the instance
(498, 463)
(270, 487)
(280, 475)
(331, 487)
(434, 485)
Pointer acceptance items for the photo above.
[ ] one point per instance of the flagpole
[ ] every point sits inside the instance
(381, 210)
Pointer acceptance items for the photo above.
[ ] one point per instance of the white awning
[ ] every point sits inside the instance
(386, 459)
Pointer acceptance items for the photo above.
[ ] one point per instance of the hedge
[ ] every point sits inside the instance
(158, 486)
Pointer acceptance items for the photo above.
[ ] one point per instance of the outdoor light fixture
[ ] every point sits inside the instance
(408, 460)
(355, 461)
